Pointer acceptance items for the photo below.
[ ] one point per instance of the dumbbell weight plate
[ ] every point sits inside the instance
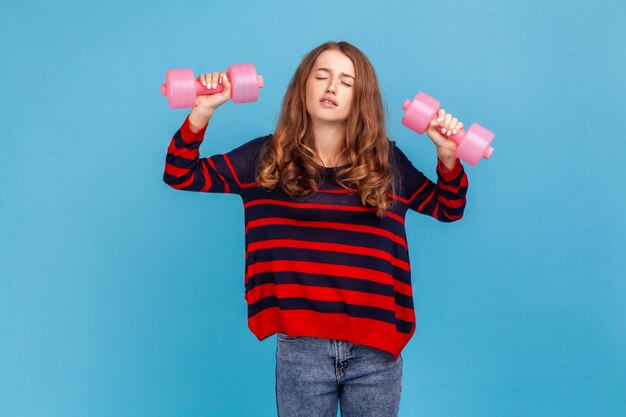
(181, 90)
(244, 82)
(475, 144)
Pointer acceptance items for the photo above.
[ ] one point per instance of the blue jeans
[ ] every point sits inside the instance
(313, 375)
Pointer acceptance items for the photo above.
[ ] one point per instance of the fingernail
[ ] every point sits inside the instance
(454, 132)
(443, 131)
(225, 77)
(214, 85)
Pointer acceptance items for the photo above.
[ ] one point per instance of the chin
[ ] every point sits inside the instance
(324, 118)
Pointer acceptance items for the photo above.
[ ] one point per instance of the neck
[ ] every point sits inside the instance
(329, 140)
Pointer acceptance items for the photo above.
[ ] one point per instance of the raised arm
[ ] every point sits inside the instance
(444, 200)
(230, 172)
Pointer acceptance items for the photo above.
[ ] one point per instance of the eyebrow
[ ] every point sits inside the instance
(329, 70)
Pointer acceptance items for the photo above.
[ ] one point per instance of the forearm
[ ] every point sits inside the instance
(199, 119)
(182, 162)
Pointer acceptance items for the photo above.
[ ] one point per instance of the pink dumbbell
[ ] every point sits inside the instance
(181, 86)
(473, 144)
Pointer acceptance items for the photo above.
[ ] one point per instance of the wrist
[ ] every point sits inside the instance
(199, 119)
(446, 156)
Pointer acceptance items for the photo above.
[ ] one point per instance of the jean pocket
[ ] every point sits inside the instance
(285, 336)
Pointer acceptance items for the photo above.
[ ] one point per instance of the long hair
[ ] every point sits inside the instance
(288, 159)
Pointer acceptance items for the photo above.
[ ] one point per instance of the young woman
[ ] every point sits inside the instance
(325, 198)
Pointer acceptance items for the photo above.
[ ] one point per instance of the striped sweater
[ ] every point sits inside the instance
(322, 265)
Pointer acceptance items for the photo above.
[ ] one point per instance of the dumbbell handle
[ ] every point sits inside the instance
(203, 91)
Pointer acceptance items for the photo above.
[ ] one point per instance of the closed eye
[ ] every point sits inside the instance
(344, 83)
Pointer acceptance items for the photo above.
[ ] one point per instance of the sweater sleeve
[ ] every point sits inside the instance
(231, 172)
(445, 200)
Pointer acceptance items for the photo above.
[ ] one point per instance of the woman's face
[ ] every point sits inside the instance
(330, 88)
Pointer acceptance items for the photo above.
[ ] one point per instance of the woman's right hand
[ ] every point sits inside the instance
(207, 104)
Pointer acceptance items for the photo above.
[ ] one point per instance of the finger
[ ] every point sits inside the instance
(207, 78)
(221, 79)
(436, 121)
(214, 80)
(452, 127)
(202, 79)
(446, 123)
(227, 84)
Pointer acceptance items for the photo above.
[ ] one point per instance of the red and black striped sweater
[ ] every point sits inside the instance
(322, 265)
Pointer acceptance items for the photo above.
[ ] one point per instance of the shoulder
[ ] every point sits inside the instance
(249, 150)
(256, 143)
(396, 156)
(400, 161)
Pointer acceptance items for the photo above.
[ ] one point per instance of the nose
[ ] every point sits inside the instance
(331, 86)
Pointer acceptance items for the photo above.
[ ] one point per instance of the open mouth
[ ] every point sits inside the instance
(328, 101)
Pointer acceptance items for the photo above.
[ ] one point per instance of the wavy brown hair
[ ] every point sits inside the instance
(288, 159)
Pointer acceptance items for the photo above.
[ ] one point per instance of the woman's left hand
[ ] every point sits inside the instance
(449, 126)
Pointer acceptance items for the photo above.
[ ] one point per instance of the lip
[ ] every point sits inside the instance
(332, 100)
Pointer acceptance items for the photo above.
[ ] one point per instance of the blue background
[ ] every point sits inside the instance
(120, 296)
